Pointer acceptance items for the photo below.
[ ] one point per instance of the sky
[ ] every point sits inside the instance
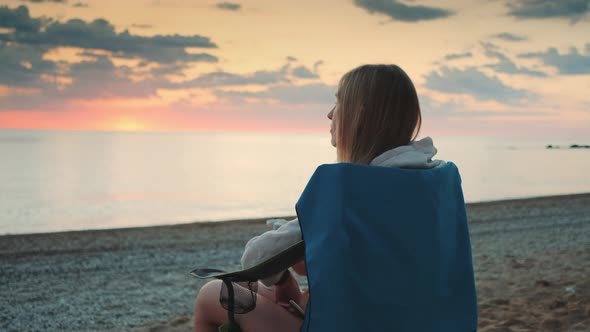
(481, 67)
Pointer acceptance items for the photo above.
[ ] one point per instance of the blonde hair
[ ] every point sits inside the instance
(378, 110)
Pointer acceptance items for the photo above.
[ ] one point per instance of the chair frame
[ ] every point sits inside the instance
(269, 267)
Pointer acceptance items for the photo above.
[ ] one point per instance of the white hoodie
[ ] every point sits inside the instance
(416, 155)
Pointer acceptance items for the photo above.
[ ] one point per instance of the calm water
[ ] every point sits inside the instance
(53, 181)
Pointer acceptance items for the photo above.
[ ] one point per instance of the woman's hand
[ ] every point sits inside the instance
(300, 268)
(289, 290)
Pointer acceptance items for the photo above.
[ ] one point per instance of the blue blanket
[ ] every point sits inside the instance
(387, 249)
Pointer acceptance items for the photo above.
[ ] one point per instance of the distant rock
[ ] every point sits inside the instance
(573, 146)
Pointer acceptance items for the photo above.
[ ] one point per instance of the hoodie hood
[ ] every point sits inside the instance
(418, 154)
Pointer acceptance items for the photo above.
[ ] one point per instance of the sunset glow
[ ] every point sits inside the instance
(128, 124)
(256, 67)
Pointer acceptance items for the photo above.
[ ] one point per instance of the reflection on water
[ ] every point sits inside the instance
(54, 181)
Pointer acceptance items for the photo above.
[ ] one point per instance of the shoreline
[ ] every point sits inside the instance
(147, 227)
(263, 219)
(531, 260)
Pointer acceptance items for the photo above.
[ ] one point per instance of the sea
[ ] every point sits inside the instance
(53, 181)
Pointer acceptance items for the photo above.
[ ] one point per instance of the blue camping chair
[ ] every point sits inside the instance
(386, 249)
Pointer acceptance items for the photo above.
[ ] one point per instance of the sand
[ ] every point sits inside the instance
(531, 258)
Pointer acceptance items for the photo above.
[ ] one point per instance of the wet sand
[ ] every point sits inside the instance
(531, 258)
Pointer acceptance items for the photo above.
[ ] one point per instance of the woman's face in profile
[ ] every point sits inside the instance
(332, 116)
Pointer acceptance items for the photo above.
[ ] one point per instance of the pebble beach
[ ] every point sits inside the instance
(531, 259)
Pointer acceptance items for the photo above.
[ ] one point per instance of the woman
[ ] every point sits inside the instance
(375, 121)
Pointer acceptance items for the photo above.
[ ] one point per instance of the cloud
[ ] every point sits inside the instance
(509, 37)
(571, 63)
(508, 67)
(222, 78)
(291, 58)
(100, 34)
(115, 81)
(458, 56)
(142, 26)
(316, 66)
(80, 5)
(505, 65)
(304, 72)
(23, 65)
(229, 6)
(317, 93)
(92, 79)
(541, 9)
(401, 12)
(18, 19)
(458, 108)
(168, 69)
(35, 81)
(281, 75)
(40, 1)
(473, 82)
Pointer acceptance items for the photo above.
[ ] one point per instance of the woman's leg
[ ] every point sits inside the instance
(267, 316)
(269, 293)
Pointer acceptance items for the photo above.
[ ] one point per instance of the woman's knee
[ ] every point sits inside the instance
(208, 295)
(208, 313)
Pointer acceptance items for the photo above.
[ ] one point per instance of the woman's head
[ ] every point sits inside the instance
(376, 110)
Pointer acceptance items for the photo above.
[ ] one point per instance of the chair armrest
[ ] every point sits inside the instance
(275, 264)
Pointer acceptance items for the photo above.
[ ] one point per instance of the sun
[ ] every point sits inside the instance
(128, 124)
